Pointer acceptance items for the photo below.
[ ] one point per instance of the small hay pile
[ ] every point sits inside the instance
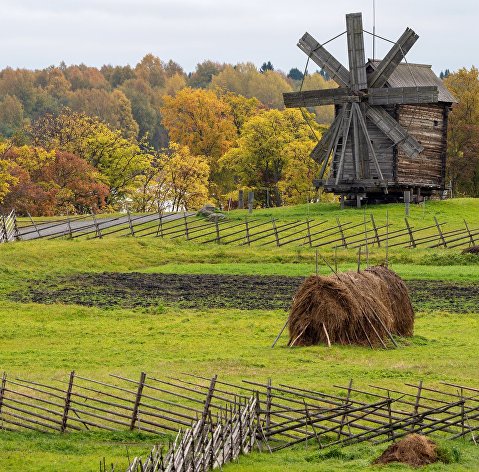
(414, 450)
(363, 308)
(471, 250)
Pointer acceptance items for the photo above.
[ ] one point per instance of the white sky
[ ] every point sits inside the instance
(39, 33)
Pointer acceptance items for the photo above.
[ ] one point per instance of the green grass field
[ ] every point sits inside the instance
(46, 341)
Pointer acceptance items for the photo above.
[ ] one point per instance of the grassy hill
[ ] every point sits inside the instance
(46, 339)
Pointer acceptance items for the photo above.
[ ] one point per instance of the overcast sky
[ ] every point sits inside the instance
(39, 33)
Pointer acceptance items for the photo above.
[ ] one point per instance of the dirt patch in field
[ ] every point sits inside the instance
(131, 290)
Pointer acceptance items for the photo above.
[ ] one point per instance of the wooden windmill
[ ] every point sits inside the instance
(389, 133)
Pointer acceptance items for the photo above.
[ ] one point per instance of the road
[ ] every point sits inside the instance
(48, 230)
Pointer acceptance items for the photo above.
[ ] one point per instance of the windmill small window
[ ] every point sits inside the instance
(386, 99)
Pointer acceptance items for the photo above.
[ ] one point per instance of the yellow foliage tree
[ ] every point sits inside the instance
(270, 146)
(177, 180)
(197, 118)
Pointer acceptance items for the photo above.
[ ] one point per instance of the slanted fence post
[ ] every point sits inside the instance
(412, 243)
(375, 228)
(66, 408)
(341, 232)
(309, 233)
(471, 238)
(69, 225)
(136, 406)
(34, 225)
(438, 226)
(208, 399)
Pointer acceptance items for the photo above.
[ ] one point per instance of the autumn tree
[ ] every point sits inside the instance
(271, 143)
(11, 115)
(176, 180)
(198, 119)
(463, 132)
(204, 73)
(120, 161)
(49, 183)
(244, 79)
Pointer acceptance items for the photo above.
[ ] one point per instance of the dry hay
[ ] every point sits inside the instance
(471, 250)
(362, 308)
(414, 450)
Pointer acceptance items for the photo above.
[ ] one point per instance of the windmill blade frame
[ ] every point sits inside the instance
(356, 54)
(324, 59)
(392, 59)
(315, 98)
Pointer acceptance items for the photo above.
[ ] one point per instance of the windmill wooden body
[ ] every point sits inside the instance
(390, 128)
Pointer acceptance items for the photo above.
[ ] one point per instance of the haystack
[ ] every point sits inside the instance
(363, 308)
(414, 450)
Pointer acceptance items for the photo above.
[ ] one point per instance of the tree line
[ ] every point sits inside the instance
(78, 138)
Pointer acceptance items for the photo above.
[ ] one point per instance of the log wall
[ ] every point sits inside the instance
(428, 124)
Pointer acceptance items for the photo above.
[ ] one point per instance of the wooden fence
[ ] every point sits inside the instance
(218, 420)
(257, 232)
(208, 444)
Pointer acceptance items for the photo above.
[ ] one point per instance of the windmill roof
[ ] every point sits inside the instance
(414, 75)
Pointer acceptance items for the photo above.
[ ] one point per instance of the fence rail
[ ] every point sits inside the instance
(214, 421)
(252, 232)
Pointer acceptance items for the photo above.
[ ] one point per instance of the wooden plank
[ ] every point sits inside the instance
(314, 98)
(403, 95)
(357, 59)
(324, 59)
(392, 59)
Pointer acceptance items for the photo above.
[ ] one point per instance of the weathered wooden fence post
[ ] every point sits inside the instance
(375, 229)
(341, 232)
(309, 233)
(34, 224)
(471, 238)
(132, 231)
(16, 233)
(2, 391)
(208, 399)
(412, 243)
(268, 404)
(275, 229)
(136, 406)
(159, 230)
(247, 231)
(66, 408)
(97, 226)
(217, 226)
(438, 226)
(187, 236)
